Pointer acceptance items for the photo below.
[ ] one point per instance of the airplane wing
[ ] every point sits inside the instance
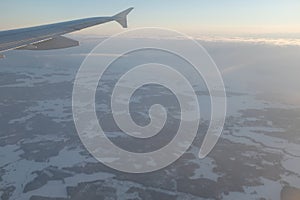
(48, 37)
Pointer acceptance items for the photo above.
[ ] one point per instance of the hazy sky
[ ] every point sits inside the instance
(190, 16)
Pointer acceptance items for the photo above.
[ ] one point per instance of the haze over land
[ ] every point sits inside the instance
(257, 156)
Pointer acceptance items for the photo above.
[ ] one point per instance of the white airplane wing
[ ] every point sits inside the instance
(48, 37)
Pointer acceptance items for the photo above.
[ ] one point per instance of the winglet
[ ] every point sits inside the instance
(121, 17)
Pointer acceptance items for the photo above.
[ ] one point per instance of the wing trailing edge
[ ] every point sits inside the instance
(58, 42)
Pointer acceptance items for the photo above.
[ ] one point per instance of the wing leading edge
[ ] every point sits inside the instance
(48, 37)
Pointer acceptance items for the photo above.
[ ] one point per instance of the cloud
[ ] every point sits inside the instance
(98, 55)
(247, 40)
(211, 38)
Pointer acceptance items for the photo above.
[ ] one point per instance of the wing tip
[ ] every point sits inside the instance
(121, 17)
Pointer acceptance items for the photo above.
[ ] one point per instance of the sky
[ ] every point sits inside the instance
(189, 16)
